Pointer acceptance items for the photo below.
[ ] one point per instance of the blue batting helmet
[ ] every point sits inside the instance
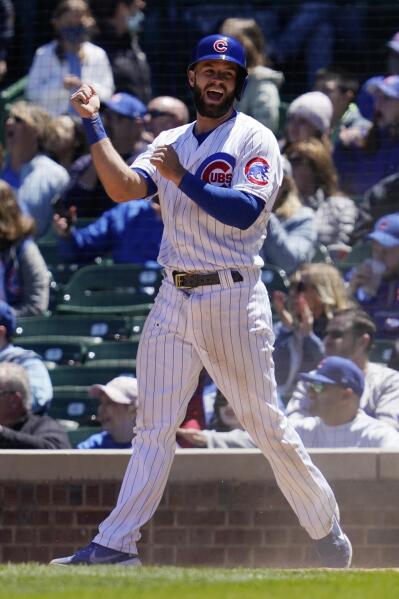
(222, 47)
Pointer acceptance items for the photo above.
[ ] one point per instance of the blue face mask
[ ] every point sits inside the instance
(74, 35)
(134, 22)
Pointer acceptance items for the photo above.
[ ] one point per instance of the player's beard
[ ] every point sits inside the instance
(211, 111)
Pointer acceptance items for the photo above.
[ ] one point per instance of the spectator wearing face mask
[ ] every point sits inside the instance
(61, 66)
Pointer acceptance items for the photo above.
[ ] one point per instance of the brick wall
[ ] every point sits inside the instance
(236, 522)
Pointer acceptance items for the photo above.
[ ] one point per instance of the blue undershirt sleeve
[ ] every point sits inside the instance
(151, 186)
(229, 206)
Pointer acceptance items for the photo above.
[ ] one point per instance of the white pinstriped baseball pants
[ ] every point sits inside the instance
(226, 328)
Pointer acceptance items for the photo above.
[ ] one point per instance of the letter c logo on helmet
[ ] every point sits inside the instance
(222, 47)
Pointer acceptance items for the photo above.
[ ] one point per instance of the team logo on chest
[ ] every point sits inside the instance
(257, 171)
(217, 169)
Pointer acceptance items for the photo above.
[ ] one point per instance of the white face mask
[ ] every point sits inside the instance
(134, 22)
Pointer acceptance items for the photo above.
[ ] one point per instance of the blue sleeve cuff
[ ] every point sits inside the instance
(151, 187)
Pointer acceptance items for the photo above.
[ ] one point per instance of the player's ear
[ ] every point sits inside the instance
(191, 77)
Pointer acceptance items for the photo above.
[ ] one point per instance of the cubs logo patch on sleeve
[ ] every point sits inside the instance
(217, 169)
(257, 170)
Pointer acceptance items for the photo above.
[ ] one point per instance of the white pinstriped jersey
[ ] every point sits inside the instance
(240, 153)
(362, 431)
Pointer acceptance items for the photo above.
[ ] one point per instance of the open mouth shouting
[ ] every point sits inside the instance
(214, 94)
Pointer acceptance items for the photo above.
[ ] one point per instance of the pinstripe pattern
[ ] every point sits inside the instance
(227, 328)
(192, 240)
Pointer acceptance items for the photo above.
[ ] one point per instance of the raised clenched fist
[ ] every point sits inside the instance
(86, 101)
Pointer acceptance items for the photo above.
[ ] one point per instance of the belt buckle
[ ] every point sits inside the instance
(179, 279)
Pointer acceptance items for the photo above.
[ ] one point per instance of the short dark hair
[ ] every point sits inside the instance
(359, 321)
(345, 80)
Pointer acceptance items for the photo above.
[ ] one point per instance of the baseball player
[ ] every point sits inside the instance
(217, 179)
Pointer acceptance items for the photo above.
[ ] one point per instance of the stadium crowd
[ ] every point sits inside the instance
(332, 247)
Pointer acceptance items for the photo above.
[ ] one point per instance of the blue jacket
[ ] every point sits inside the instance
(358, 170)
(38, 184)
(102, 440)
(131, 233)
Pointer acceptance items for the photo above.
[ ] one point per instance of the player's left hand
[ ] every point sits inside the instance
(167, 163)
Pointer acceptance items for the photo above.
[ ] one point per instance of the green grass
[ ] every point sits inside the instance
(115, 582)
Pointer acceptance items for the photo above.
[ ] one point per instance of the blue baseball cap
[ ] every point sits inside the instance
(386, 231)
(7, 318)
(126, 105)
(388, 86)
(335, 370)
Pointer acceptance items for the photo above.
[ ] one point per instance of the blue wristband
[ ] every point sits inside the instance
(94, 129)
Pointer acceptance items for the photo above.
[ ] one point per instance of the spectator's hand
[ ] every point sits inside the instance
(304, 315)
(193, 436)
(352, 136)
(278, 299)
(3, 69)
(360, 276)
(86, 101)
(62, 224)
(72, 82)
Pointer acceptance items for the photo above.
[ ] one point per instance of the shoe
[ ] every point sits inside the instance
(95, 554)
(334, 550)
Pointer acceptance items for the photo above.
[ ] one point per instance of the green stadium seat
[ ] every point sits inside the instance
(84, 376)
(58, 351)
(322, 254)
(381, 351)
(82, 328)
(274, 278)
(13, 93)
(117, 353)
(360, 251)
(111, 289)
(74, 404)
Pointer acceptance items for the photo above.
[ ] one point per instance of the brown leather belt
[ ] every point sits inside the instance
(186, 280)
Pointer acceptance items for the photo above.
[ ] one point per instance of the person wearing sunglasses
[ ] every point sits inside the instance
(350, 334)
(335, 389)
(165, 112)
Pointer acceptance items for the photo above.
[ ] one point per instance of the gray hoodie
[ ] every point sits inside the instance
(261, 99)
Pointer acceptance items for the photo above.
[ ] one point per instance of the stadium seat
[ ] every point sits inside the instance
(74, 404)
(74, 378)
(8, 96)
(275, 278)
(117, 353)
(58, 351)
(381, 351)
(82, 328)
(111, 289)
(360, 251)
(322, 254)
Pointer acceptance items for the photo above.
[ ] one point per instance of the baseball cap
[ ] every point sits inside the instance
(7, 318)
(335, 370)
(388, 86)
(122, 390)
(394, 42)
(126, 105)
(314, 107)
(386, 231)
